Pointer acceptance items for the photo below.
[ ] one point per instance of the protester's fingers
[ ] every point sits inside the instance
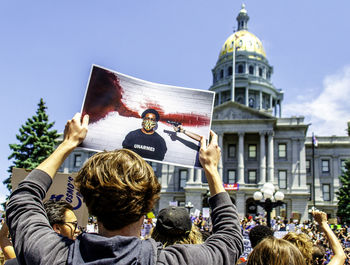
(77, 116)
(85, 120)
(203, 143)
(214, 137)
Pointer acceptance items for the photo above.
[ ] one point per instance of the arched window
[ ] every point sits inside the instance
(221, 74)
(251, 70)
(240, 68)
(230, 70)
(260, 71)
(214, 77)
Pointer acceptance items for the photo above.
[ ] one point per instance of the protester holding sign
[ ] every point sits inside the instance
(119, 191)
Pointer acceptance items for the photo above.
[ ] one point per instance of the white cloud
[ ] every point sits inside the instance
(329, 111)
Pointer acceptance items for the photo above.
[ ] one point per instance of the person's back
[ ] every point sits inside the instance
(119, 188)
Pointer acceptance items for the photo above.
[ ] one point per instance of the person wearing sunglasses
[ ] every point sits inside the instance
(62, 218)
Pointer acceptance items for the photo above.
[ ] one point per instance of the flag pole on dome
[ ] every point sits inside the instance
(233, 67)
(314, 144)
(233, 70)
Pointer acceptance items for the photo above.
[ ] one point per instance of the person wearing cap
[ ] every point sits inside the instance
(119, 188)
(146, 141)
(174, 226)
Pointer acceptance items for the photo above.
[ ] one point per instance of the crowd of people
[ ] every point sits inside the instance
(120, 188)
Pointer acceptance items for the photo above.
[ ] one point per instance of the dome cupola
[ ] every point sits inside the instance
(243, 73)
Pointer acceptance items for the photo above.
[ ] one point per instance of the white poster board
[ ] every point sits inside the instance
(206, 212)
(117, 105)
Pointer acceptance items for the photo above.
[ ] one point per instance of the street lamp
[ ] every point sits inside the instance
(189, 206)
(272, 199)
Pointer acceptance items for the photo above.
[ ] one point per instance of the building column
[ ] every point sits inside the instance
(247, 96)
(270, 167)
(280, 108)
(190, 176)
(260, 100)
(295, 176)
(270, 102)
(262, 158)
(241, 157)
(221, 145)
(164, 179)
(198, 176)
(240, 204)
(302, 162)
(219, 98)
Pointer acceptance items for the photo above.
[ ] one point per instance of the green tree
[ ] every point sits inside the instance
(37, 141)
(344, 195)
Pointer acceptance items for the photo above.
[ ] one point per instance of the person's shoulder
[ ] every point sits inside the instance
(158, 136)
(134, 132)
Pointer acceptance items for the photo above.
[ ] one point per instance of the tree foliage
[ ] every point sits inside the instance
(344, 195)
(37, 141)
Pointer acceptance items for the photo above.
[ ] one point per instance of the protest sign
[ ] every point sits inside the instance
(173, 203)
(62, 188)
(247, 246)
(234, 186)
(291, 227)
(206, 212)
(161, 123)
(197, 212)
(280, 234)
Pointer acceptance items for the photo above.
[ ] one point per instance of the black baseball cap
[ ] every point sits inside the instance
(174, 221)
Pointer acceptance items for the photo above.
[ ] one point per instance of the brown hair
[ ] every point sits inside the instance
(192, 237)
(274, 251)
(118, 187)
(303, 243)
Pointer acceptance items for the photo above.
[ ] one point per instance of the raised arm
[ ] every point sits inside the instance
(33, 238)
(225, 245)
(5, 243)
(192, 135)
(74, 133)
(209, 156)
(339, 255)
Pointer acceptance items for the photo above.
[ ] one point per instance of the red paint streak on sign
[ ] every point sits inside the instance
(186, 119)
(105, 95)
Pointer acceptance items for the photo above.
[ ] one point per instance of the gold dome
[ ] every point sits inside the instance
(244, 41)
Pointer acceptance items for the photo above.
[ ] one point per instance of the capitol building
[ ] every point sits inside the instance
(258, 144)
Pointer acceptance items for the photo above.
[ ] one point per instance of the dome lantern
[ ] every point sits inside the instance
(242, 19)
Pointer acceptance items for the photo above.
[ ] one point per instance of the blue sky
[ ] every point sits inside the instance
(47, 48)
